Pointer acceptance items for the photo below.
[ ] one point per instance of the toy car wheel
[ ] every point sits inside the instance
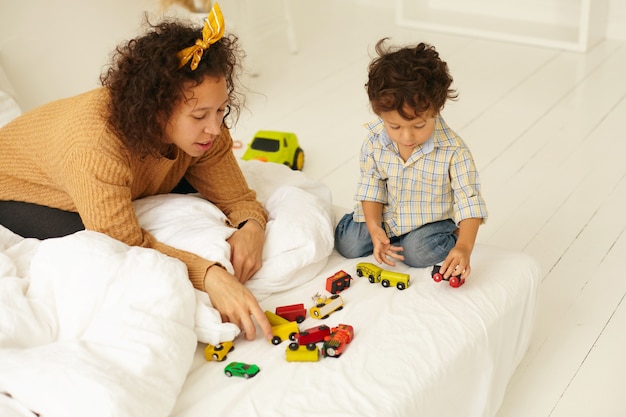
(293, 346)
(455, 282)
(437, 277)
(400, 286)
(359, 273)
(276, 340)
(298, 160)
(330, 351)
(215, 357)
(299, 319)
(246, 376)
(292, 336)
(371, 278)
(332, 297)
(311, 346)
(228, 373)
(385, 283)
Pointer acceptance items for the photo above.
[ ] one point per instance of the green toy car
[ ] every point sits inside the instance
(241, 369)
(278, 147)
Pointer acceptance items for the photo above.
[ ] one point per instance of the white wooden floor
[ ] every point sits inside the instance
(548, 132)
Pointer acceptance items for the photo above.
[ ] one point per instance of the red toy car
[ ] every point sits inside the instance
(313, 335)
(338, 282)
(294, 312)
(339, 338)
(455, 281)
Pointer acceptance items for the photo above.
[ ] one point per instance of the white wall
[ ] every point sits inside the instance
(52, 49)
(616, 25)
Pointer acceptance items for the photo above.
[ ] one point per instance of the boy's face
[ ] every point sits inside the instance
(408, 134)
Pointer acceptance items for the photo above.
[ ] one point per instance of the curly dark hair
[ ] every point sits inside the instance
(408, 76)
(146, 83)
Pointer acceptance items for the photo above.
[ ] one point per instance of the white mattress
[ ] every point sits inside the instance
(430, 350)
(86, 330)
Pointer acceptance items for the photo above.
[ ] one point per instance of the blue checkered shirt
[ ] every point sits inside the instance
(438, 182)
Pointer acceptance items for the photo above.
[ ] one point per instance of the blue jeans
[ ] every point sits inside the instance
(423, 247)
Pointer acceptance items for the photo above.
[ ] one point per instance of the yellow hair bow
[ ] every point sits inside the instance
(212, 32)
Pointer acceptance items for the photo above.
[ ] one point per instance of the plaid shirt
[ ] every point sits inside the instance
(438, 182)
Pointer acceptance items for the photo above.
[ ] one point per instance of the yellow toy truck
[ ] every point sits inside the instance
(282, 329)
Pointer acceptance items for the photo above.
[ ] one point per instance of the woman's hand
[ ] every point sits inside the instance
(246, 250)
(235, 302)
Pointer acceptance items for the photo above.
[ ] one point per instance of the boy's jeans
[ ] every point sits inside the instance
(423, 247)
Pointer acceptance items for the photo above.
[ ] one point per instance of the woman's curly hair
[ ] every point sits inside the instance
(145, 82)
(413, 77)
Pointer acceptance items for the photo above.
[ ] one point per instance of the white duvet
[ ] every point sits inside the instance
(92, 327)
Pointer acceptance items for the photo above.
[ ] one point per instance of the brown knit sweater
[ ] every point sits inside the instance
(62, 155)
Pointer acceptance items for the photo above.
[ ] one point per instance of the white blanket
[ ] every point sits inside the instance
(90, 326)
(98, 329)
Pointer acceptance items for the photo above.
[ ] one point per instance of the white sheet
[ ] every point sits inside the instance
(299, 235)
(430, 350)
(90, 326)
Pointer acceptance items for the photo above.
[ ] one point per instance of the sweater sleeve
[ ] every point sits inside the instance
(218, 177)
(99, 183)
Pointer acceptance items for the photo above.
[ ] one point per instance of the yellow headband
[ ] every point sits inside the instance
(212, 32)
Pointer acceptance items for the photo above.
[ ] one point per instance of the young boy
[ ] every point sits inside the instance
(418, 199)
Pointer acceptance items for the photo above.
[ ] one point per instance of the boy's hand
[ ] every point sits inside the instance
(383, 250)
(458, 260)
(457, 263)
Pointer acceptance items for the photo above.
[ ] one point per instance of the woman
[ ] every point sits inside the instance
(78, 163)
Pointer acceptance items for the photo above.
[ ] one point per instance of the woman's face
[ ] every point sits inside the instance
(197, 119)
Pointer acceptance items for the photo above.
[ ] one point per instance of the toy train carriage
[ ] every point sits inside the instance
(325, 306)
(338, 282)
(312, 335)
(297, 353)
(455, 281)
(386, 278)
(293, 312)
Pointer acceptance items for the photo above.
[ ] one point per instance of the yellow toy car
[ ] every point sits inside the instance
(282, 329)
(218, 352)
(278, 147)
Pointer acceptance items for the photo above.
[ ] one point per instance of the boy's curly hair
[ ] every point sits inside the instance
(410, 76)
(145, 82)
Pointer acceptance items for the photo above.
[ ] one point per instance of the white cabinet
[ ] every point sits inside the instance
(564, 24)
